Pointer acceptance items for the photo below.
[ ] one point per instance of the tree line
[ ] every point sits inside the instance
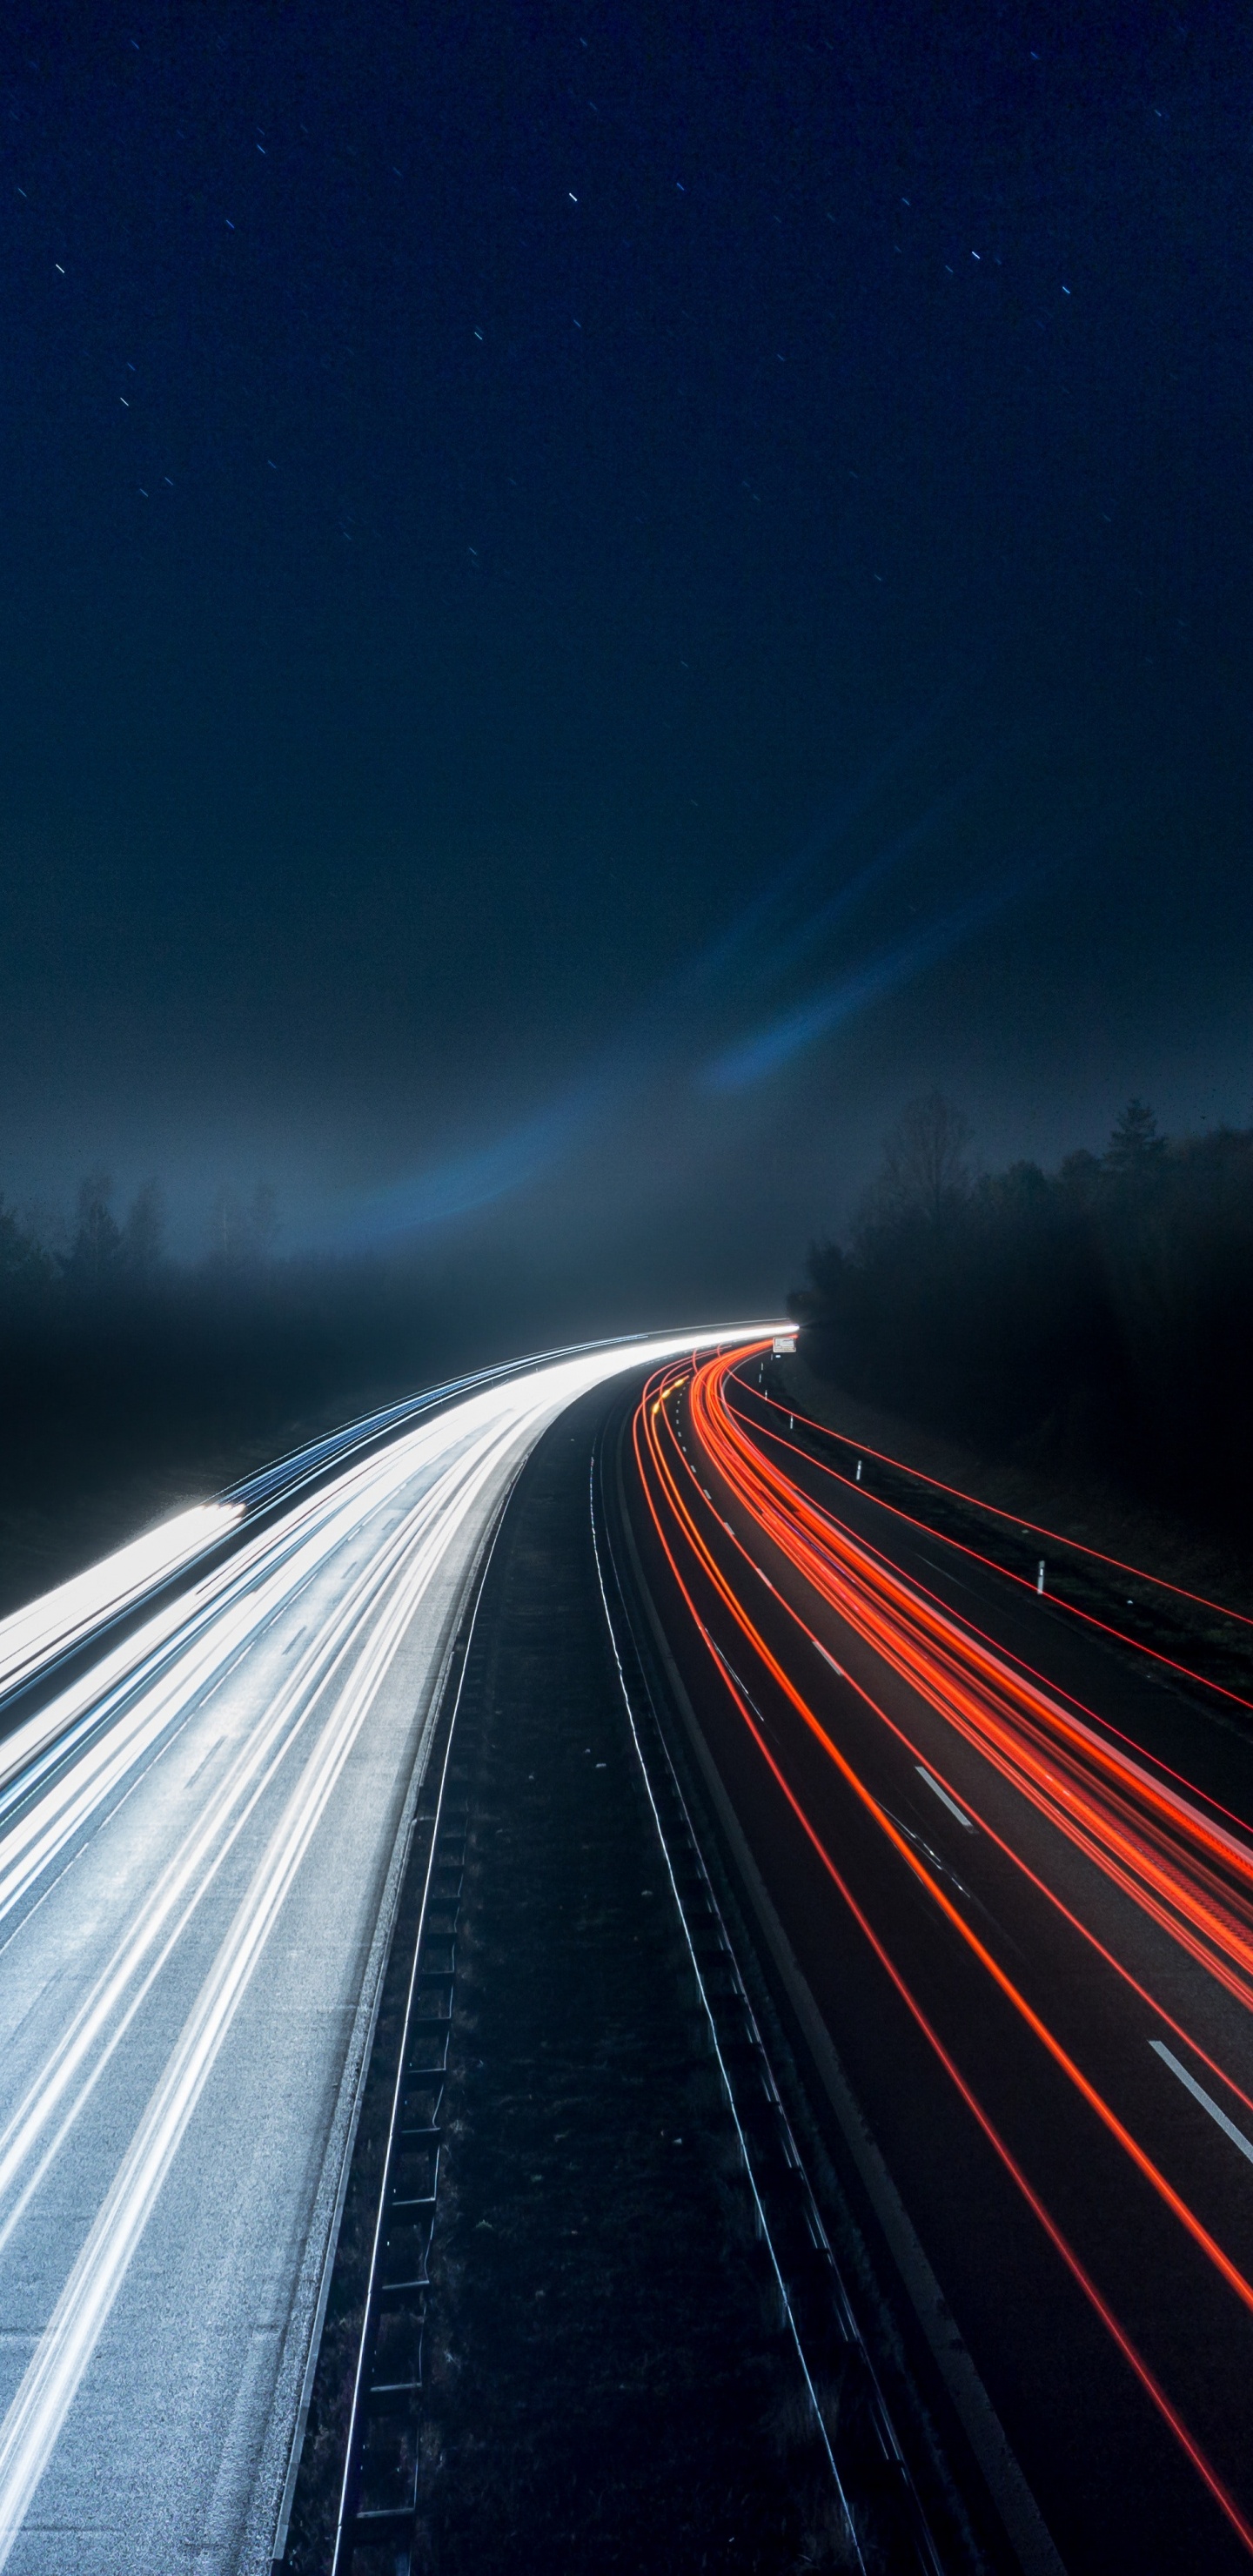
(1099, 1316)
(100, 1255)
(104, 1337)
(122, 1368)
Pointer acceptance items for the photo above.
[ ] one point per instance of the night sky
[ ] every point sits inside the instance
(594, 596)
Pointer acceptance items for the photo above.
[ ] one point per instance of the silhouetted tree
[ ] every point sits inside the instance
(143, 1235)
(925, 1170)
(25, 1269)
(244, 1233)
(1135, 1147)
(93, 1264)
(1102, 1314)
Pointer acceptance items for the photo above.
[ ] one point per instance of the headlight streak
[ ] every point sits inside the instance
(57, 1620)
(62, 1732)
(762, 1490)
(41, 1743)
(165, 1914)
(124, 1724)
(39, 2409)
(86, 1740)
(72, 1759)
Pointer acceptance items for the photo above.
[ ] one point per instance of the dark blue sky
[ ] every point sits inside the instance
(595, 594)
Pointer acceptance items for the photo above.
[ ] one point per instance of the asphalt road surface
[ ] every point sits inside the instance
(1010, 1861)
(201, 1821)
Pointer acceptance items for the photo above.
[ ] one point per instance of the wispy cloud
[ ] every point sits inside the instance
(666, 1036)
(867, 880)
(464, 1182)
(711, 964)
(751, 1059)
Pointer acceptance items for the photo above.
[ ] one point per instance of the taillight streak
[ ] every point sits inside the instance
(765, 1508)
(1035, 1529)
(1099, 1948)
(1047, 1754)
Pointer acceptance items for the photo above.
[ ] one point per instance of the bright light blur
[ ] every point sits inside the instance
(414, 1503)
(47, 1625)
(54, 1621)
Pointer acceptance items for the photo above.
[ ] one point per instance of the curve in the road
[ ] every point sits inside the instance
(1131, 1894)
(197, 1836)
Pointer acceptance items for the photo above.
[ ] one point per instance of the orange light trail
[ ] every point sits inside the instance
(1007, 1573)
(1177, 1864)
(961, 1547)
(1036, 1529)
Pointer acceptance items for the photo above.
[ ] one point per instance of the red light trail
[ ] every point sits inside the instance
(995, 1511)
(1185, 1871)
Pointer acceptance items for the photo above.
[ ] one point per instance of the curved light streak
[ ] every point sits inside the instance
(56, 1621)
(1163, 1848)
(752, 1058)
(384, 1531)
(1186, 1871)
(1036, 1529)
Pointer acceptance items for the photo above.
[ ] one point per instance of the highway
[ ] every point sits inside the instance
(211, 1748)
(1007, 1861)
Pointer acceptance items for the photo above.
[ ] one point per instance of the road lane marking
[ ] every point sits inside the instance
(762, 2220)
(947, 1575)
(942, 1794)
(830, 1659)
(1237, 2136)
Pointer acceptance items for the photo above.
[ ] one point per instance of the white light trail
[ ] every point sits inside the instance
(57, 1620)
(47, 2392)
(63, 1773)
